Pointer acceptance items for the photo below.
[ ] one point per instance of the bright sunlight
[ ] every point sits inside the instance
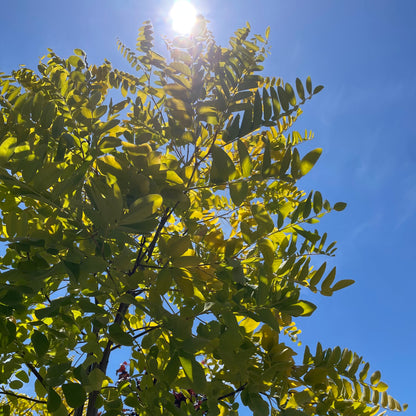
(183, 16)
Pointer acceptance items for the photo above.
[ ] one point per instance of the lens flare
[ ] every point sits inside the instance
(183, 16)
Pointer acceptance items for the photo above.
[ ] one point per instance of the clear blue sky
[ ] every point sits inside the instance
(364, 52)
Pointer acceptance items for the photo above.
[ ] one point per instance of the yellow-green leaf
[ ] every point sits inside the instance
(309, 160)
(222, 168)
(142, 209)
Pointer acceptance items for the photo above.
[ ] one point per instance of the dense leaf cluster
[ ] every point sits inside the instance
(165, 221)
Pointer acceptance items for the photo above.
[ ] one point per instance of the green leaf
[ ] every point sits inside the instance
(99, 111)
(86, 112)
(208, 113)
(290, 94)
(76, 61)
(177, 245)
(258, 405)
(119, 336)
(266, 105)
(316, 376)
(327, 282)
(257, 110)
(245, 160)
(222, 168)
(317, 202)
(375, 377)
(283, 98)
(95, 379)
(172, 369)
(364, 372)
(301, 308)
(107, 126)
(54, 401)
(7, 149)
(262, 218)
(16, 384)
(194, 372)
(265, 168)
(232, 130)
(21, 375)
(340, 206)
(342, 284)
(309, 85)
(48, 114)
(300, 90)
(164, 281)
(40, 343)
(317, 275)
(275, 103)
(238, 192)
(247, 123)
(295, 164)
(381, 387)
(309, 160)
(79, 52)
(74, 394)
(5, 410)
(285, 163)
(58, 127)
(142, 209)
(318, 88)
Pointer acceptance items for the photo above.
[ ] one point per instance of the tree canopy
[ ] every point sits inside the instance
(157, 213)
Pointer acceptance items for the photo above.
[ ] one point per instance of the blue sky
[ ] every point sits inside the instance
(364, 53)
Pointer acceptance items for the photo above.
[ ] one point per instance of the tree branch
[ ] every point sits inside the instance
(32, 368)
(241, 388)
(21, 396)
(122, 309)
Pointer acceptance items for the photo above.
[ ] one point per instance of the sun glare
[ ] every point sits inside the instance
(183, 16)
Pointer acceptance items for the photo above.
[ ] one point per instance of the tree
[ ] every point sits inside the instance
(165, 223)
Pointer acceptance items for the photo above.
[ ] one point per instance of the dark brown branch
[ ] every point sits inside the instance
(92, 399)
(139, 257)
(241, 388)
(32, 368)
(21, 396)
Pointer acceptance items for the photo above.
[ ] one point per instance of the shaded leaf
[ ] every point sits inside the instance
(54, 401)
(74, 394)
(119, 336)
(40, 343)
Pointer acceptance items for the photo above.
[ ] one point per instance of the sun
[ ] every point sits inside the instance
(183, 16)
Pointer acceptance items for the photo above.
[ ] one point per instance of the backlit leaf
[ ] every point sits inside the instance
(262, 218)
(309, 160)
(309, 85)
(222, 168)
(238, 192)
(245, 160)
(142, 209)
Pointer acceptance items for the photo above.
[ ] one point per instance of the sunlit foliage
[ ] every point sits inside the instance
(157, 211)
